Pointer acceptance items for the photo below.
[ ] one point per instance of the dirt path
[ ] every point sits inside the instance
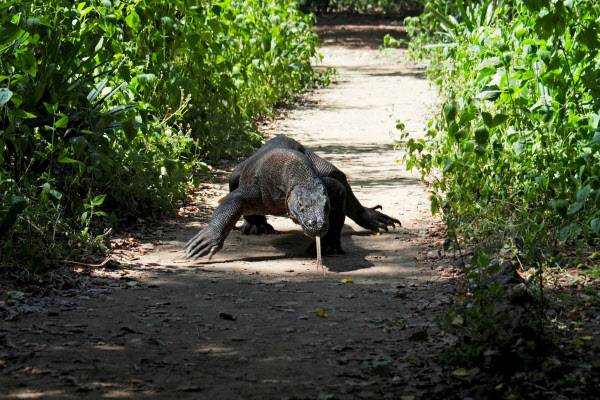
(258, 321)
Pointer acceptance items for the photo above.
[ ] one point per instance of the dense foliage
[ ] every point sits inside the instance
(512, 157)
(395, 7)
(514, 151)
(113, 104)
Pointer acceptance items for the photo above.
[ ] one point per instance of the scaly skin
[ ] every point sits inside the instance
(282, 177)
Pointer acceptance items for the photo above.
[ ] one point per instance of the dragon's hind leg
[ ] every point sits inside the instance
(256, 225)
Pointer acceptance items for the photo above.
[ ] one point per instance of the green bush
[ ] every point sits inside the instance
(514, 152)
(113, 104)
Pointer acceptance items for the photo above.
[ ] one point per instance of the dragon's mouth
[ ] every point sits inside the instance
(313, 233)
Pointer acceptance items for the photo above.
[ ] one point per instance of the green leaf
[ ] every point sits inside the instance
(10, 218)
(449, 165)
(9, 3)
(5, 95)
(62, 123)
(68, 160)
(133, 21)
(533, 5)
(444, 21)
(56, 194)
(214, 24)
(545, 56)
(507, 57)
(570, 230)
(489, 93)
(584, 193)
(595, 224)
(450, 112)
(594, 119)
(575, 207)
(499, 119)
(589, 37)
(489, 62)
(23, 114)
(98, 200)
(469, 146)
(27, 63)
(146, 79)
(45, 22)
(435, 205)
(8, 32)
(482, 135)
(487, 119)
(467, 115)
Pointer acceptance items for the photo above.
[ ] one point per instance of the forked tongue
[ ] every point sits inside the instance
(319, 260)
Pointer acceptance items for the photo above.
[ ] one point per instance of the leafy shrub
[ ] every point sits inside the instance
(113, 104)
(514, 151)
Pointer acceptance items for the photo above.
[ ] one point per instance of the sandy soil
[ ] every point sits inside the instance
(258, 321)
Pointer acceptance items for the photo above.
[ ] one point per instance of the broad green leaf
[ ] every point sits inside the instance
(534, 5)
(62, 123)
(450, 112)
(23, 114)
(5, 95)
(584, 193)
(570, 230)
(448, 165)
(9, 3)
(146, 79)
(8, 32)
(214, 24)
(27, 63)
(575, 207)
(10, 218)
(56, 194)
(482, 135)
(469, 146)
(67, 160)
(499, 119)
(98, 200)
(594, 118)
(487, 119)
(589, 37)
(490, 93)
(467, 115)
(545, 56)
(489, 62)
(595, 224)
(133, 21)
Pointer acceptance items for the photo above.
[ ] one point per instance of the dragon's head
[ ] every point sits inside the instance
(308, 205)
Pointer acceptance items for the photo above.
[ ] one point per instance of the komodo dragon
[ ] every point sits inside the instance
(282, 177)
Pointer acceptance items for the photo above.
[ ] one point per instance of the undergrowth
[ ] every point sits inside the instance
(108, 107)
(512, 155)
